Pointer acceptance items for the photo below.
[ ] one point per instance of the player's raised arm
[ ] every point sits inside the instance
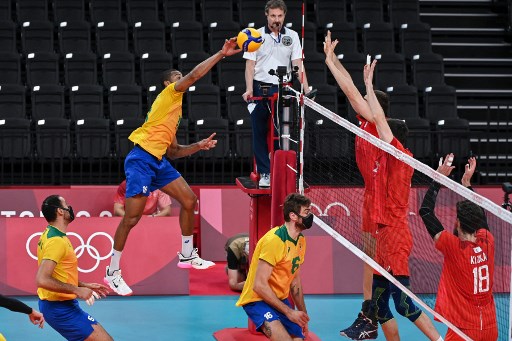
(379, 118)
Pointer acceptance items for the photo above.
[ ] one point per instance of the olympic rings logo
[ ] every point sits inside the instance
(326, 211)
(91, 250)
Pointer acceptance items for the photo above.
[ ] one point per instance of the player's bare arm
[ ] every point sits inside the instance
(344, 79)
(202, 69)
(175, 150)
(298, 296)
(250, 65)
(300, 65)
(469, 170)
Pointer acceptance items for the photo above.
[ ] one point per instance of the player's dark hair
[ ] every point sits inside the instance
(293, 203)
(50, 206)
(383, 99)
(272, 4)
(399, 130)
(166, 76)
(471, 216)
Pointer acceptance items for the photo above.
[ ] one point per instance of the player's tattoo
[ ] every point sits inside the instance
(295, 290)
(266, 329)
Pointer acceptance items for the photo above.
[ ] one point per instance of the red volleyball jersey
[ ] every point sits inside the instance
(464, 295)
(366, 153)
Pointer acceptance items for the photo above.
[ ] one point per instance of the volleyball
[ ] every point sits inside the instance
(249, 40)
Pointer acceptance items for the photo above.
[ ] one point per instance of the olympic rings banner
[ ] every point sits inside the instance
(149, 260)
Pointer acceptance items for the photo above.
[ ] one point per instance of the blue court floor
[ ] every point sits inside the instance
(192, 318)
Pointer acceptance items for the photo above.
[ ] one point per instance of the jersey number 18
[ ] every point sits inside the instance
(480, 279)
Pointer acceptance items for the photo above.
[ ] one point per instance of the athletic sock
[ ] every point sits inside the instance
(187, 245)
(114, 261)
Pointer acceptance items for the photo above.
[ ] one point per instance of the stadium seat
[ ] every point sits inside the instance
(204, 127)
(404, 12)
(179, 10)
(28, 10)
(440, 102)
(346, 33)
(186, 36)
(378, 38)
(315, 69)
(37, 36)
(235, 104)
(331, 141)
(68, 10)
(122, 129)
(141, 10)
(415, 38)
(367, 11)
(12, 101)
(232, 73)
(8, 39)
(187, 61)
(74, 36)
(403, 101)
(80, 68)
(427, 70)
(42, 68)
(5, 11)
(151, 67)
(453, 137)
(53, 138)
(216, 11)
(15, 138)
(105, 10)
(330, 11)
(293, 14)
(111, 36)
(92, 137)
(124, 101)
(86, 101)
(390, 70)
(218, 32)
(118, 68)
(251, 13)
(10, 64)
(419, 140)
(310, 42)
(353, 63)
(47, 102)
(243, 138)
(148, 36)
(327, 96)
(203, 101)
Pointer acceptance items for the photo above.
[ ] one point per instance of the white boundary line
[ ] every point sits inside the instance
(368, 260)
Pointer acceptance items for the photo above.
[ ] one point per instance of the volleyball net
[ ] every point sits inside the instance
(342, 205)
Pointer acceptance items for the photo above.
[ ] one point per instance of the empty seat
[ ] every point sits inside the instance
(80, 68)
(419, 140)
(12, 101)
(68, 10)
(330, 11)
(346, 33)
(293, 14)
(105, 10)
(118, 68)
(86, 101)
(404, 12)
(141, 10)
(152, 65)
(378, 38)
(53, 138)
(179, 10)
(204, 127)
(151, 94)
(124, 101)
(453, 137)
(390, 70)
(148, 36)
(42, 68)
(216, 11)
(251, 13)
(331, 143)
(415, 38)
(310, 42)
(10, 65)
(187, 61)
(203, 101)
(235, 104)
(8, 36)
(232, 73)
(186, 36)
(427, 70)
(327, 96)
(92, 138)
(74, 36)
(37, 36)
(218, 32)
(354, 63)
(27, 10)
(111, 36)
(5, 11)
(440, 102)
(315, 69)
(243, 138)
(367, 11)
(15, 138)
(47, 101)
(122, 129)
(403, 101)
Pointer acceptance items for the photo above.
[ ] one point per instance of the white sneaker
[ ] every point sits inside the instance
(194, 261)
(117, 283)
(264, 180)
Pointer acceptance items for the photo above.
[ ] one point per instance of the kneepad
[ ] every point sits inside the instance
(381, 295)
(403, 303)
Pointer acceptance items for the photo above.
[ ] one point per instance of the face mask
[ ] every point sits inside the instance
(307, 221)
(70, 211)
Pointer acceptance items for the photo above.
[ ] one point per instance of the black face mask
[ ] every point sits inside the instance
(307, 221)
(70, 211)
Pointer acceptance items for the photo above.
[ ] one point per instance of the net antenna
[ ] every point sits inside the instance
(339, 229)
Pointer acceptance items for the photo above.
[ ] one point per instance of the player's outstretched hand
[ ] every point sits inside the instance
(36, 318)
(368, 73)
(445, 167)
(207, 144)
(329, 46)
(299, 317)
(469, 170)
(230, 47)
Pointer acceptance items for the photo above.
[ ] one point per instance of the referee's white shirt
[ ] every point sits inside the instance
(275, 51)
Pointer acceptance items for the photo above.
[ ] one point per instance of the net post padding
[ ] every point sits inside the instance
(283, 180)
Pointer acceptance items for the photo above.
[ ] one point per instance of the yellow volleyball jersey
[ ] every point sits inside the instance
(159, 129)
(286, 255)
(55, 245)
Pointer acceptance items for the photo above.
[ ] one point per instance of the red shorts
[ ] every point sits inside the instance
(394, 245)
(368, 225)
(489, 334)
